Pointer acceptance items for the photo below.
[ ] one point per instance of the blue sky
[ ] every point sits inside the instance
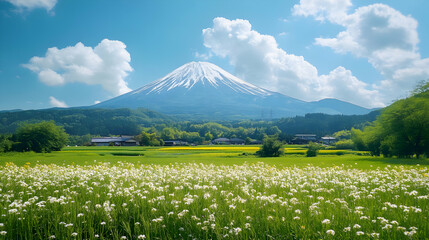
(365, 52)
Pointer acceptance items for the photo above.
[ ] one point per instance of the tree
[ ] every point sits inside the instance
(208, 136)
(313, 149)
(271, 147)
(41, 137)
(148, 139)
(402, 129)
(357, 138)
(5, 143)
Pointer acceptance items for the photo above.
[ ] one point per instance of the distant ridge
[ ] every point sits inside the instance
(202, 90)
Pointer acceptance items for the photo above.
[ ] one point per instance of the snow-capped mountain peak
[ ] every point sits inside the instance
(201, 73)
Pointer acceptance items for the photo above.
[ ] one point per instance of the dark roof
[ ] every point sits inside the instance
(221, 140)
(110, 139)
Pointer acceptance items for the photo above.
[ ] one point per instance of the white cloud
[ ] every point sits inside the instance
(203, 56)
(31, 4)
(258, 59)
(332, 10)
(341, 83)
(107, 65)
(57, 103)
(383, 35)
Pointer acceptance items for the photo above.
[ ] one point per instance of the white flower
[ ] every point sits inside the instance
(141, 236)
(326, 221)
(123, 237)
(96, 236)
(3, 233)
(330, 232)
(357, 226)
(103, 223)
(375, 235)
(296, 218)
(347, 229)
(80, 215)
(359, 233)
(74, 234)
(1, 224)
(52, 237)
(237, 230)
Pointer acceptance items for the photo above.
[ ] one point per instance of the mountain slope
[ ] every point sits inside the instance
(202, 90)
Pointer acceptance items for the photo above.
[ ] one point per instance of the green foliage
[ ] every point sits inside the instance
(271, 147)
(208, 136)
(5, 143)
(313, 149)
(148, 139)
(345, 144)
(402, 129)
(41, 137)
(343, 134)
(84, 140)
(357, 137)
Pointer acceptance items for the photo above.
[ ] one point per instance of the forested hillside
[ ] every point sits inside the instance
(104, 122)
(86, 121)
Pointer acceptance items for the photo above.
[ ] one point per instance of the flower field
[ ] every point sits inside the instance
(204, 201)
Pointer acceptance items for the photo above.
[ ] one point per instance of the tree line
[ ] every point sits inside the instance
(402, 129)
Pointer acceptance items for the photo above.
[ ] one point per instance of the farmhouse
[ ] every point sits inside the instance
(328, 140)
(304, 138)
(175, 143)
(225, 141)
(116, 141)
(221, 141)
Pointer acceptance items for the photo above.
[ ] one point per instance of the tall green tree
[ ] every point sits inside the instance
(271, 147)
(41, 137)
(402, 129)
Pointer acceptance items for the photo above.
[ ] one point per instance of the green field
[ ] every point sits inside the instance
(211, 192)
(219, 155)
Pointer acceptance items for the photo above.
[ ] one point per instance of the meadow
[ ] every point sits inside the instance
(211, 192)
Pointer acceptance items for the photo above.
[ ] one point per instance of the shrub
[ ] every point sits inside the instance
(313, 149)
(41, 137)
(345, 144)
(271, 147)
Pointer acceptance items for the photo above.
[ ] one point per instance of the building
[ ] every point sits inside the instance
(328, 140)
(236, 141)
(304, 138)
(115, 141)
(221, 141)
(175, 143)
(256, 142)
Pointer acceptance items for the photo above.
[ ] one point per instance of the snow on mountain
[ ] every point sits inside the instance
(202, 90)
(205, 73)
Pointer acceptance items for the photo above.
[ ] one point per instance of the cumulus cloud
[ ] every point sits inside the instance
(107, 65)
(258, 59)
(57, 103)
(31, 4)
(332, 10)
(383, 35)
(203, 56)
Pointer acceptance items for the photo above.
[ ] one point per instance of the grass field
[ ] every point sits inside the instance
(211, 192)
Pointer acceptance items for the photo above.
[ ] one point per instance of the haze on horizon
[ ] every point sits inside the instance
(66, 54)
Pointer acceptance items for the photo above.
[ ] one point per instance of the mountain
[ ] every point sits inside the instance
(202, 90)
